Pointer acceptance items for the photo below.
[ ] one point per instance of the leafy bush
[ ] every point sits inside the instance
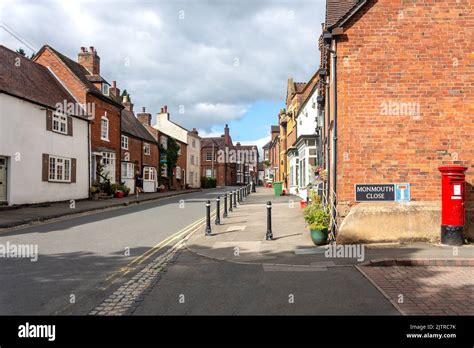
(317, 217)
(119, 187)
(208, 182)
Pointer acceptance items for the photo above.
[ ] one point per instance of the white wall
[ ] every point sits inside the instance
(306, 118)
(196, 167)
(164, 125)
(23, 131)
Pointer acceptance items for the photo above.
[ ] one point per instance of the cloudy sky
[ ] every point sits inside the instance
(211, 62)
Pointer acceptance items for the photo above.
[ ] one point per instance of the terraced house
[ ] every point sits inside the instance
(43, 144)
(399, 103)
(83, 80)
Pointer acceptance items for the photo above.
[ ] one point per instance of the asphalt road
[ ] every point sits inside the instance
(80, 257)
(195, 285)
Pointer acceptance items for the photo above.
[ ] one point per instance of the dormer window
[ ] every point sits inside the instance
(105, 89)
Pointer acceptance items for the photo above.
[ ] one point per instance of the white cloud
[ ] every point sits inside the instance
(162, 59)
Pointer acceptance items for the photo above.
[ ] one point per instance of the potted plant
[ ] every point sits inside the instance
(318, 218)
(94, 191)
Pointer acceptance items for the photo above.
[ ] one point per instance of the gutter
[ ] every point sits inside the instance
(334, 132)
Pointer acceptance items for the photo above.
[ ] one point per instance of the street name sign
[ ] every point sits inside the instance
(382, 192)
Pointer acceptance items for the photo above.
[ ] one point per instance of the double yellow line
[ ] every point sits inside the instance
(152, 251)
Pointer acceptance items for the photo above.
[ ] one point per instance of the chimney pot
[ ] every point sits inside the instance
(91, 48)
(166, 108)
(114, 84)
(83, 49)
(143, 109)
(162, 110)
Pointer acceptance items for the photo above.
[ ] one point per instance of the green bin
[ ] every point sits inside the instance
(278, 188)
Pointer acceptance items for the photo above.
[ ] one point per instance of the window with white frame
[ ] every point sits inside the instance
(128, 170)
(191, 176)
(192, 159)
(105, 89)
(194, 142)
(197, 161)
(178, 173)
(124, 142)
(59, 123)
(209, 173)
(149, 174)
(146, 149)
(164, 142)
(208, 156)
(108, 163)
(59, 169)
(179, 149)
(164, 170)
(104, 128)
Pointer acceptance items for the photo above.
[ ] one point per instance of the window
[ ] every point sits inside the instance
(104, 129)
(105, 89)
(209, 156)
(191, 176)
(59, 123)
(59, 169)
(179, 149)
(124, 142)
(108, 162)
(164, 170)
(194, 142)
(192, 159)
(209, 173)
(149, 174)
(128, 170)
(178, 173)
(164, 142)
(197, 160)
(146, 149)
(266, 155)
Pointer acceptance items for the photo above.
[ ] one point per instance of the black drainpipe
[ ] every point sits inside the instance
(334, 133)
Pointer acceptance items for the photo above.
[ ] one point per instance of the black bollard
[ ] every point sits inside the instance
(208, 218)
(269, 235)
(254, 189)
(235, 199)
(225, 206)
(218, 211)
(238, 196)
(231, 195)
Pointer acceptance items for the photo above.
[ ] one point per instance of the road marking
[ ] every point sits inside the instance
(152, 251)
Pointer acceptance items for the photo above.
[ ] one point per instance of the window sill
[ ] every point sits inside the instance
(103, 139)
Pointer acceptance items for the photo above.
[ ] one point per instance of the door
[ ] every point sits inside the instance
(3, 179)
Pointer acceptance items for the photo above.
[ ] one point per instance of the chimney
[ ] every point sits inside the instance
(226, 135)
(194, 131)
(164, 113)
(89, 60)
(126, 103)
(114, 91)
(144, 117)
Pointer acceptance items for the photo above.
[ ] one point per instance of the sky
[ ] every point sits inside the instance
(211, 62)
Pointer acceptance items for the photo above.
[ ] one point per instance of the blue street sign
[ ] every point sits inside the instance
(402, 192)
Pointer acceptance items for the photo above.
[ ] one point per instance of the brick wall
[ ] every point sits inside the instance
(418, 52)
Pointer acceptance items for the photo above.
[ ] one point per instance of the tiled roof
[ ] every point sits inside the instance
(337, 9)
(82, 73)
(218, 142)
(30, 80)
(132, 126)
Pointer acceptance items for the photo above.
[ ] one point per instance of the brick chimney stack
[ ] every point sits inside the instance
(226, 135)
(89, 60)
(114, 91)
(144, 117)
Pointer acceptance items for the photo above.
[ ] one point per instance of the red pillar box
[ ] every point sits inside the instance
(453, 215)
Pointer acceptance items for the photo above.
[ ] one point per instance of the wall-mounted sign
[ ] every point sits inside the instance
(382, 192)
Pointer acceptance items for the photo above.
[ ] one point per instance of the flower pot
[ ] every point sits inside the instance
(303, 204)
(319, 237)
(119, 194)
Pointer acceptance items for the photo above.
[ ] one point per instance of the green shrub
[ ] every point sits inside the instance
(208, 182)
(317, 217)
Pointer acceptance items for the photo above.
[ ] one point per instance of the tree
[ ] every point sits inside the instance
(21, 51)
(125, 93)
(171, 153)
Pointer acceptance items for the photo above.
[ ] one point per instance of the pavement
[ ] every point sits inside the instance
(21, 215)
(235, 271)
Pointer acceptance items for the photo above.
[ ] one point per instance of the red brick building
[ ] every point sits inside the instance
(216, 161)
(404, 98)
(83, 80)
(139, 150)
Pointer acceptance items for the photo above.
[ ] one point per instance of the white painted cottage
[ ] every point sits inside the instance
(44, 141)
